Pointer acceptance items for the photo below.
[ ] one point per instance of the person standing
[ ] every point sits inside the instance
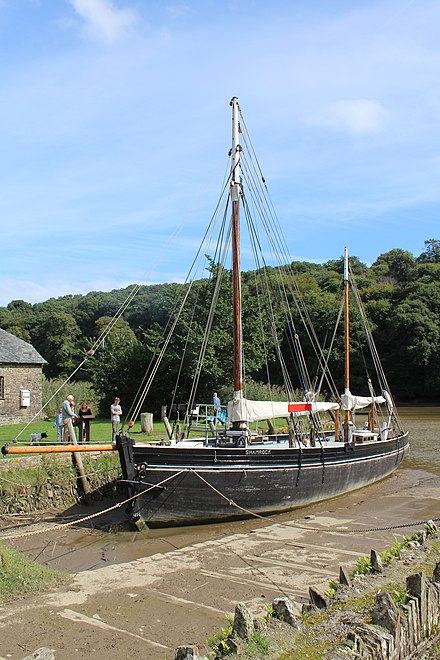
(68, 413)
(84, 428)
(115, 413)
(217, 406)
(58, 424)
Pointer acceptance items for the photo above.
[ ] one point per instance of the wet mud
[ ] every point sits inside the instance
(144, 594)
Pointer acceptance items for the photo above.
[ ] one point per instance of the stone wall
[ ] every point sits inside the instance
(383, 631)
(401, 632)
(17, 378)
(59, 489)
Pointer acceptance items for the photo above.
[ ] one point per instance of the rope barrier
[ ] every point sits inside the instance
(344, 530)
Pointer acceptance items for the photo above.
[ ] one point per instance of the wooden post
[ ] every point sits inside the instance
(270, 427)
(77, 460)
(168, 428)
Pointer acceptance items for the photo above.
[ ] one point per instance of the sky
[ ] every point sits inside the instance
(115, 130)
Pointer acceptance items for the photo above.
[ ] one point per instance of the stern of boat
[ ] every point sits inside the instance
(124, 446)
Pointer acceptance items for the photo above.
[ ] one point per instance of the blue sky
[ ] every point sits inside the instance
(115, 128)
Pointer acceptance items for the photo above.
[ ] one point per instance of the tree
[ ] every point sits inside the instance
(356, 265)
(117, 366)
(20, 305)
(431, 253)
(57, 338)
(394, 266)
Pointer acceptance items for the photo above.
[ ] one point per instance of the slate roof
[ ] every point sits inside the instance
(16, 351)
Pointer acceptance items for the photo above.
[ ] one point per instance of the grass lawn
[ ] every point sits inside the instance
(100, 432)
(20, 575)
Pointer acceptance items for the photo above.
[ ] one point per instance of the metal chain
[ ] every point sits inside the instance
(231, 502)
(338, 530)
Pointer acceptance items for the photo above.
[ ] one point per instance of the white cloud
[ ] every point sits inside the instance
(358, 116)
(176, 11)
(103, 21)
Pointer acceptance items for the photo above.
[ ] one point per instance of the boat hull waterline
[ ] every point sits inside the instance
(209, 484)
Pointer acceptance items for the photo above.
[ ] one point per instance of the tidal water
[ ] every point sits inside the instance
(423, 424)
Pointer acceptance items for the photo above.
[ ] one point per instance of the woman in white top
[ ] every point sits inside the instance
(115, 413)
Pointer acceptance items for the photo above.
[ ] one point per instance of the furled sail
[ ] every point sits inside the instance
(351, 402)
(241, 409)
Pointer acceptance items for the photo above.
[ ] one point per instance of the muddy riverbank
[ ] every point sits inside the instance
(143, 595)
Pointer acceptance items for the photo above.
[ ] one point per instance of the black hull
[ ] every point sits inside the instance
(249, 481)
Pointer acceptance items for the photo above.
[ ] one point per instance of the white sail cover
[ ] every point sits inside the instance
(246, 410)
(351, 402)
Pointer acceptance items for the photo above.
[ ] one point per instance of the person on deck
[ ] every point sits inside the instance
(115, 412)
(68, 413)
(217, 406)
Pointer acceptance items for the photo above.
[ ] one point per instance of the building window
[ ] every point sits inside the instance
(2, 387)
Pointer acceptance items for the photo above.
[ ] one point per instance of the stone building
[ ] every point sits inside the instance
(20, 380)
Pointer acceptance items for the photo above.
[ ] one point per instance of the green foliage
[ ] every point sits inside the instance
(363, 567)
(114, 369)
(266, 392)
(258, 645)
(81, 390)
(399, 597)
(401, 294)
(19, 481)
(389, 554)
(431, 253)
(219, 642)
(306, 645)
(270, 612)
(356, 265)
(332, 589)
(430, 528)
(394, 266)
(56, 338)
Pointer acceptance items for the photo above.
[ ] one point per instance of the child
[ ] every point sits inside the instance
(58, 423)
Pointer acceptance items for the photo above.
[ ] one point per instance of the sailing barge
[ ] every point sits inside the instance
(238, 471)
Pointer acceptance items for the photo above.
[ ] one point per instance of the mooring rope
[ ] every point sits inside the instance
(92, 515)
(231, 502)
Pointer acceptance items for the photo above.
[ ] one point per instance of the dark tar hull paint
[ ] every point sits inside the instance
(257, 480)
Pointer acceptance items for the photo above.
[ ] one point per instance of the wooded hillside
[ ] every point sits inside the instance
(401, 294)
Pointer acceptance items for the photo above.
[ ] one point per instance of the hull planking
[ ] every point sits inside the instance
(209, 484)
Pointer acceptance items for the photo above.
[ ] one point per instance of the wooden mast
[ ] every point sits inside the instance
(236, 269)
(346, 340)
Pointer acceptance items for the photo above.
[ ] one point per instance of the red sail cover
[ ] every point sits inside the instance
(299, 407)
